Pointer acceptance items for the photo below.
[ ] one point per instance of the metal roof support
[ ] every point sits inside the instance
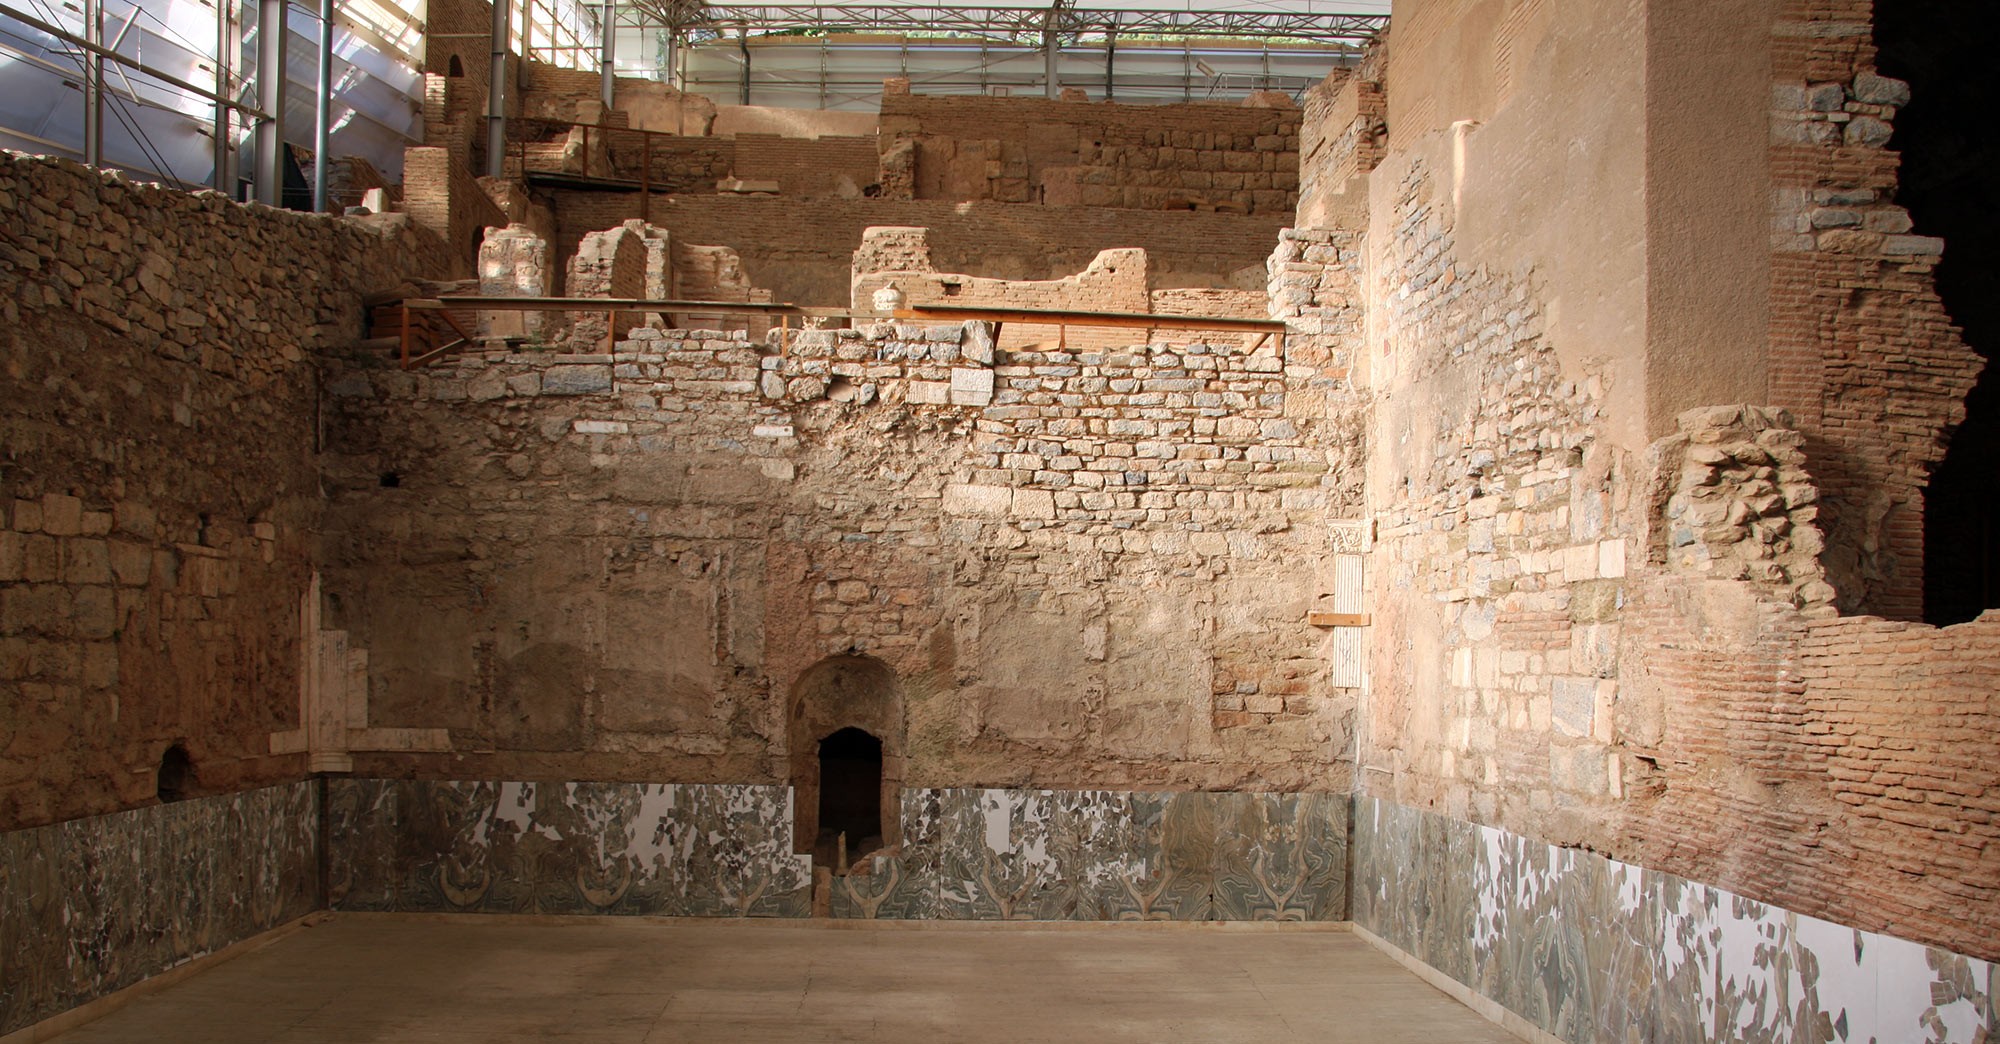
(607, 56)
(1110, 64)
(271, 35)
(496, 95)
(743, 44)
(226, 43)
(1049, 78)
(323, 106)
(93, 84)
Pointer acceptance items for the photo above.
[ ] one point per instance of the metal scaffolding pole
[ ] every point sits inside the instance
(496, 95)
(606, 61)
(323, 106)
(1110, 65)
(224, 129)
(271, 98)
(93, 84)
(1049, 52)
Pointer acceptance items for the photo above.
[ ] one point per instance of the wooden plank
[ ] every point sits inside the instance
(597, 304)
(1121, 320)
(1319, 619)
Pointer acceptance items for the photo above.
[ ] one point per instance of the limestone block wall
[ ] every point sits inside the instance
(160, 493)
(1082, 568)
(1150, 157)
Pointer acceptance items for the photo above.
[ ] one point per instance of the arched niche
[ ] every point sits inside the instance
(838, 707)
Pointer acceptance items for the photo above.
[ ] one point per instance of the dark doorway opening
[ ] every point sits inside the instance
(176, 779)
(850, 795)
(1943, 48)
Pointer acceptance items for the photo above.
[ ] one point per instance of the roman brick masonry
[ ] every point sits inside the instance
(1542, 599)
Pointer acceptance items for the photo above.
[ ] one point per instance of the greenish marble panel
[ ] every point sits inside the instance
(565, 848)
(1592, 949)
(93, 905)
(1281, 857)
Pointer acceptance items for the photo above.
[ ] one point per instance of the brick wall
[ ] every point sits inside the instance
(1862, 351)
(442, 197)
(1151, 157)
(1640, 652)
(160, 499)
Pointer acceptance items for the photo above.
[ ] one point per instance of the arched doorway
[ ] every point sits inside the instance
(850, 792)
(845, 738)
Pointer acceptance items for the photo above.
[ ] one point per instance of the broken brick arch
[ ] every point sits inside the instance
(844, 736)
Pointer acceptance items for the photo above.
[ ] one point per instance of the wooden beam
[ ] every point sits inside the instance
(1121, 320)
(598, 304)
(1319, 619)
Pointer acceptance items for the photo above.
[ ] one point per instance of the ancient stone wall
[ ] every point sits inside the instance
(1149, 157)
(616, 567)
(802, 249)
(1630, 645)
(1862, 351)
(1343, 134)
(160, 492)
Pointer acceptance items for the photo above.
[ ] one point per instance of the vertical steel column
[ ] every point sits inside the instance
(1049, 52)
(323, 106)
(743, 44)
(1110, 65)
(673, 77)
(608, 56)
(496, 95)
(226, 46)
(93, 84)
(271, 98)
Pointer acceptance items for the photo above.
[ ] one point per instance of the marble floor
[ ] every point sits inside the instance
(490, 979)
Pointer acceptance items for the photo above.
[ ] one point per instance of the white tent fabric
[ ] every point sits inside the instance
(156, 131)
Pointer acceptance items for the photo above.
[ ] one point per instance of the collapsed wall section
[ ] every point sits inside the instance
(1597, 634)
(1862, 350)
(803, 249)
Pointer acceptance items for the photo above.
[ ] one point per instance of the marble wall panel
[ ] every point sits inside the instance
(1109, 855)
(561, 848)
(93, 905)
(1592, 949)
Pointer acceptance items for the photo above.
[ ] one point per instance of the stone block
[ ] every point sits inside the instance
(1573, 705)
(1033, 503)
(929, 392)
(576, 380)
(968, 499)
(62, 515)
(970, 387)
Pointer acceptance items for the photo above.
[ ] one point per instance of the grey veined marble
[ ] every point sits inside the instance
(557, 848)
(94, 905)
(1108, 855)
(1592, 949)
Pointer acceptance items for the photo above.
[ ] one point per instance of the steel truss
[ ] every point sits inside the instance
(1011, 23)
